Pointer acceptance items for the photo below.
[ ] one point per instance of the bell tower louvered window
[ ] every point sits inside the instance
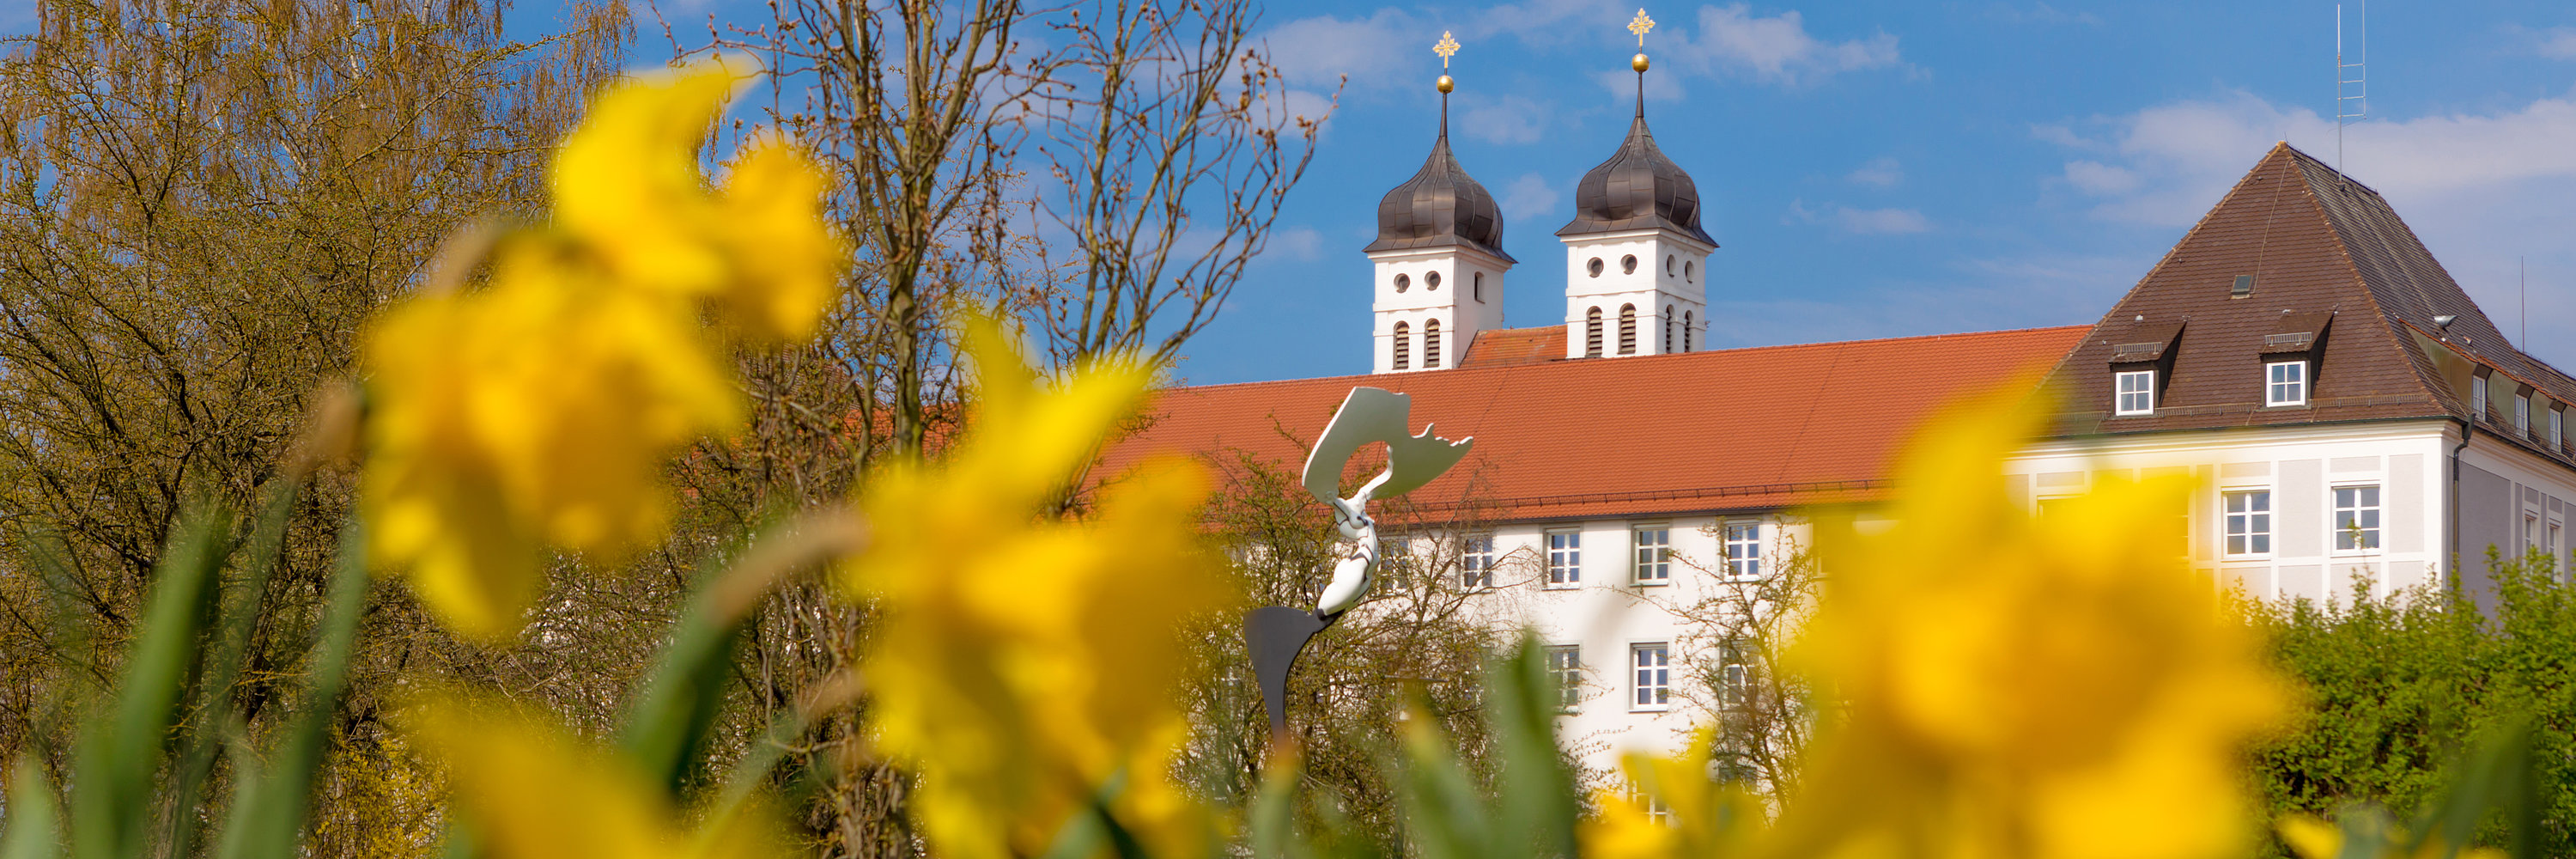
(1431, 344)
(1592, 333)
(1627, 329)
(1403, 348)
(1686, 331)
(1667, 345)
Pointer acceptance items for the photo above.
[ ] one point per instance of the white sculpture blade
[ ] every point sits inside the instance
(1376, 414)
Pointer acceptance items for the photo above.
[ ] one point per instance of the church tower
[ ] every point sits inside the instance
(1636, 259)
(1438, 260)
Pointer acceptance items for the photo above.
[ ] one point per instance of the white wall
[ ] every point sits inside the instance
(2300, 466)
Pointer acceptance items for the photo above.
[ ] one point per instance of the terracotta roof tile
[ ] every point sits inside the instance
(1508, 347)
(1740, 429)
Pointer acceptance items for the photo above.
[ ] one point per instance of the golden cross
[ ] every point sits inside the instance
(1640, 26)
(1447, 48)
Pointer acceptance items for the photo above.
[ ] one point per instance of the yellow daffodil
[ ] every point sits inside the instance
(533, 791)
(533, 412)
(1027, 665)
(627, 186)
(2058, 686)
(539, 409)
(1700, 816)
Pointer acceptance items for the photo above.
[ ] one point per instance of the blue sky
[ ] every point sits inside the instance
(1880, 169)
(1877, 169)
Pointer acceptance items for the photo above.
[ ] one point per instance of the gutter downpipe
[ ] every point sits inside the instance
(2453, 565)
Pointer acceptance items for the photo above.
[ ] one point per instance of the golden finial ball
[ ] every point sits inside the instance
(1637, 62)
(1446, 84)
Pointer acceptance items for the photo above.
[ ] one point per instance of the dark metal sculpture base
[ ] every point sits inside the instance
(1275, 635)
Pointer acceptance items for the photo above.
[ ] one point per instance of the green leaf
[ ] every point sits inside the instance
(35, 826)
(269, 810)
(240, 618)
(112, 771)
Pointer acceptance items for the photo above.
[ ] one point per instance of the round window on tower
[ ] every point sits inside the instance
(1431, 281)
(1628, 264)
(1479, 284)
(1686, 272)
(1594, 266)
(1668, 265)
(1403, 282)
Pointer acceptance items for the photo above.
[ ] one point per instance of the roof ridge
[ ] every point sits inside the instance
(2369, 295)
(1584, 361)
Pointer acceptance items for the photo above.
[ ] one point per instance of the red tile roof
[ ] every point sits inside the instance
(1739, 429)
(1507, 347)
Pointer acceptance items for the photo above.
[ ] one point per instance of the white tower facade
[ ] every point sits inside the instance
(1635, 292)
(1437, 264)
(1636, 259)
(1431, 302)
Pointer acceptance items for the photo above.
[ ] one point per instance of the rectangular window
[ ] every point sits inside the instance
(2478, 397)
(1734, 676)
(2522, 414)
(2356, 518)
(2530, 532)
(1565, 665)
(1394, 566)
(2249, 522)
(1744, 550)
(1654, 676)
(2285, 383)
(2557, 428)
(1476, 562)
(1564, 558)
(1654, 555)
(2137, 390)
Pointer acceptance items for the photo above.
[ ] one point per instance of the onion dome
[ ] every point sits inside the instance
(1637, 189)
(1441, 206)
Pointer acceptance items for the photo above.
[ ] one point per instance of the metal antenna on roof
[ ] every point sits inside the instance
(2353, 104)
(2524, 280)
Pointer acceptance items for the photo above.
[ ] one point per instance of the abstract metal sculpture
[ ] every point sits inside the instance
(1276, 634)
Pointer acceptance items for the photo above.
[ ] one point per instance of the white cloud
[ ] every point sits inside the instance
(2555, 42)
(1881, 221)
(1880, 172)
(1528, 197)
(2099, 179)
(2480, 189)
(1301, 243)
(1378, 50)
(2039, 13)
(1510, 119)
(1865, 222)
(1778, 49)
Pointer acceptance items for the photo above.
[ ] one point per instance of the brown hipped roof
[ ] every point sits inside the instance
(2330, 262)
(1739, 429)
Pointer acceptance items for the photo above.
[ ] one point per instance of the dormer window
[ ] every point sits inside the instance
(2522, 414)
(2285, 383)
(2478, 397)
(2557, 428)
(2136, 392)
